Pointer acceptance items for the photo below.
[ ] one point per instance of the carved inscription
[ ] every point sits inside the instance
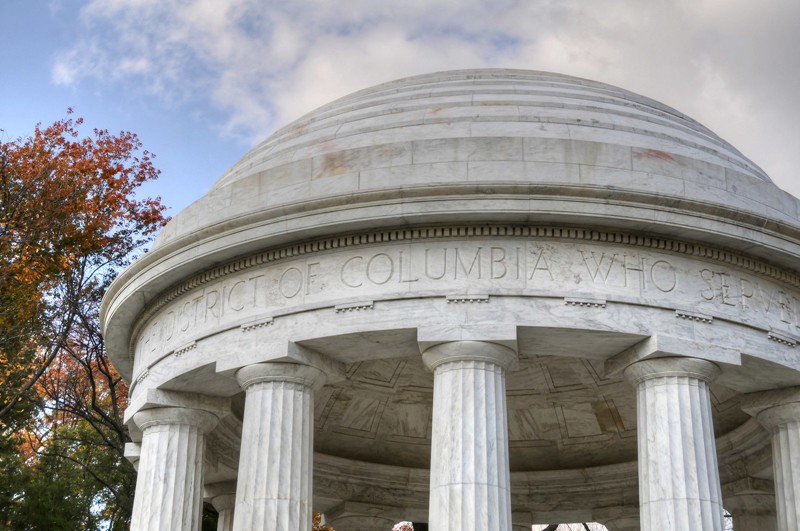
(487, 266)
(631, 270)
(748, 294)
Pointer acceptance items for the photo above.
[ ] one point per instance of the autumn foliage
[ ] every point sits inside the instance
(66, 204)
(70, 220)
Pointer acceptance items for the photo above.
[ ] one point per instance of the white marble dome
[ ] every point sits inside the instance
(501, 104)
(495, 130)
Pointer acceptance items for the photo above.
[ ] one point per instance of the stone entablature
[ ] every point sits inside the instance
(739, 299)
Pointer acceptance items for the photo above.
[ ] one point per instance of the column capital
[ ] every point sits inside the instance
(775, 407)
(280, 372)
(224, 502)
(779, 415)
(220, 491)
(648, 369)
(484, 351)
(159, 398)
(159, 416)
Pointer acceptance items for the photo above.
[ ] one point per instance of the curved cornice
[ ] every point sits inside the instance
(785, 247)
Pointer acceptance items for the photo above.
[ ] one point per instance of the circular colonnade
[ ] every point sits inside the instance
(471, 290)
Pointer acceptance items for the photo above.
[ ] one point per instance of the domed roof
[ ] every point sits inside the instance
(490, 128)
(489, 103)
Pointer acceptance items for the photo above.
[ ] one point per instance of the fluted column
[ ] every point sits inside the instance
(169, 485)
(275, 464)
(679, 485)
(470, 483)
(783, 421)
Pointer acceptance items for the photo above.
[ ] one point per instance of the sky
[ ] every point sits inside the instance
(203, 81)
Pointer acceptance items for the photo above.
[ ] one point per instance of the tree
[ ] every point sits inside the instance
(69, 221)
(67, 204)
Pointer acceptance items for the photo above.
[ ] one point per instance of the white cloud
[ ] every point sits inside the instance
(730, 64)
(339, 65)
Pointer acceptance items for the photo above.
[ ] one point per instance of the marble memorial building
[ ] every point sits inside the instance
(476, 299)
